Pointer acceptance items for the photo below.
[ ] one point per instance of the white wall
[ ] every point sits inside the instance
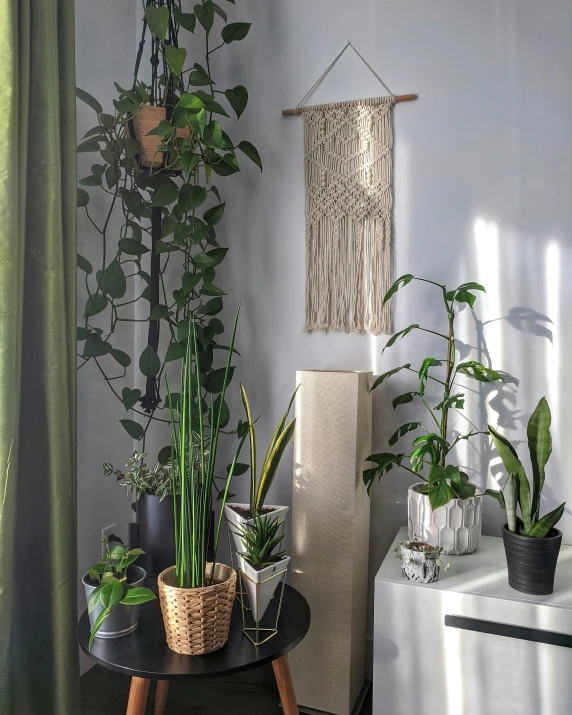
(482, 192)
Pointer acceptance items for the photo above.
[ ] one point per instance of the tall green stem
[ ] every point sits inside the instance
(449, 371)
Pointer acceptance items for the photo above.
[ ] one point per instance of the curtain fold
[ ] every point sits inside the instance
(38, 559)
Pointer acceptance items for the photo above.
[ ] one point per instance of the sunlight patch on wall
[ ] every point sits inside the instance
(552, 264)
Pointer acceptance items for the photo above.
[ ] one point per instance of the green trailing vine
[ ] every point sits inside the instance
(168, 214)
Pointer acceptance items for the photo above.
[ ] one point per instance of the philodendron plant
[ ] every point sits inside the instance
(430, 455)
(113, 589)
(516, 491)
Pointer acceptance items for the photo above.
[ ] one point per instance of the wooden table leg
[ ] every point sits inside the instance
(285, 686)
(161, 697)
(138, 696)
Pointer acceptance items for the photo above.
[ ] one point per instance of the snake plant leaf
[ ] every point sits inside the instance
(513, 466)
(279, 429)
(401, 334)
(402, 431)
(252, 440)
(268, 474)
(399, 283)
(540, 447)
(423, 372)
(389, 373)
(543, 526)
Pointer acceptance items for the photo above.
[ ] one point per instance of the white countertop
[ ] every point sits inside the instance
(483, 573)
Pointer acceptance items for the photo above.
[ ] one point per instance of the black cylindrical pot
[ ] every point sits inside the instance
(156, 533)
(531, 561)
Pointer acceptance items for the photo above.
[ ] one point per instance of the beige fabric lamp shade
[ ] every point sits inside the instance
(330, 536)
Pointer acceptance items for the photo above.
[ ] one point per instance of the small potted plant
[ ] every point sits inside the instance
(114, 591)
(197, 596)
(420, 561)
(444, 507)
(262, 566)
(239, 515)
(531, 542)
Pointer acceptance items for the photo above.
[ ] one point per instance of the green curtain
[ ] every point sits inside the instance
(38, 562)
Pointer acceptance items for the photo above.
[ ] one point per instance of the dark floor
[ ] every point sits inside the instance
(251, 693)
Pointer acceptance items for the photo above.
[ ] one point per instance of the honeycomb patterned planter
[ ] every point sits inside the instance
(455, 527)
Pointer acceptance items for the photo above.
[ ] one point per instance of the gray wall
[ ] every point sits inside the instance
(482, 192)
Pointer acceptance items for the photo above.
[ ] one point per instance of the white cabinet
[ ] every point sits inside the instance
(469, 644)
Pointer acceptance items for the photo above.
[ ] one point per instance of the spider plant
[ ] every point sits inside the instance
(280, 439)
(196, 429)
(260, 539)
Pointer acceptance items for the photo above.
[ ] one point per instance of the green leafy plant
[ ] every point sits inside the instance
(139, 479)
(428, 550)
(260, 539)
(193, 429)
(166, 216)
(280, 440)
(516, 491)
(431, 452)
(113, 589)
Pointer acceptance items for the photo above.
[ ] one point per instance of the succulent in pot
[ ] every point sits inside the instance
(420, 561)
(444, 507)
(532, 543)
(262, 566)
(237, 514)
(114, 591)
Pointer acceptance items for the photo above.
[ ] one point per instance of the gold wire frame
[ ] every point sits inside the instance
(256, 641)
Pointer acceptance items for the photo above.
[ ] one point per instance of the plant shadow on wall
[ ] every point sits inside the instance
(156, 159)
(432, 457)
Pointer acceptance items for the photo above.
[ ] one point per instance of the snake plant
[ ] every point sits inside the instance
(260, 539)
(516, 490)
(280, 439)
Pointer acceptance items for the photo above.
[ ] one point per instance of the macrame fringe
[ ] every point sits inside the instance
(348, 167)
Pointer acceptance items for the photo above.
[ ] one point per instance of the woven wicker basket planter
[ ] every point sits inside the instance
(197, 619)
(146, 119)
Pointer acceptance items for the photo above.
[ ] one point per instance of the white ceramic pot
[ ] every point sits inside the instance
(455, 527)
(418, 566)
(236, 521)
(261, 585)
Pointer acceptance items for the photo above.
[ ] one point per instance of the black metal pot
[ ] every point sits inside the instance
(156, 533)
(531, 561)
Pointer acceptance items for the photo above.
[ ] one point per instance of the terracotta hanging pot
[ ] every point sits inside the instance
(146, 119)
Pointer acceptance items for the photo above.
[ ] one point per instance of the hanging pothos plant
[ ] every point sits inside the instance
(169, 207)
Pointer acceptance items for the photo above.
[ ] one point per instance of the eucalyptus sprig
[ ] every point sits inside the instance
(429, 457)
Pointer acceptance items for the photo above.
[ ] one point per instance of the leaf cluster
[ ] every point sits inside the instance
(517, 487)
(260, 539)
(429, 455)
(139, 479)
(113, 589)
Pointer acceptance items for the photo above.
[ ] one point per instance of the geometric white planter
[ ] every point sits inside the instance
(237, 522)
(261, 585)
(455, 527)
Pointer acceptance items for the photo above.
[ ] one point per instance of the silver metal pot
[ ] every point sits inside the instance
(123, 619)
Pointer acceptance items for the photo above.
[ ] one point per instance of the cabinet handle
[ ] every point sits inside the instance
(536, 635)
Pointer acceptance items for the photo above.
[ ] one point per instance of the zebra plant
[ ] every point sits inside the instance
(516, 491)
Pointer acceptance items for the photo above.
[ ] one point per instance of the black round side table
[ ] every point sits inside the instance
(144, 655)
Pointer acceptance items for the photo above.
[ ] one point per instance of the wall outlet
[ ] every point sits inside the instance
(105, 534)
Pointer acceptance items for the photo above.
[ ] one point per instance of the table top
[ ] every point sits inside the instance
(145, 654)
(484, 573)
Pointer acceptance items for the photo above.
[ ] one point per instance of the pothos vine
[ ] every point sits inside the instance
(162, 213)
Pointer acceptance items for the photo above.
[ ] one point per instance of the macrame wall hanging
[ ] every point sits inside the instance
(348, 173)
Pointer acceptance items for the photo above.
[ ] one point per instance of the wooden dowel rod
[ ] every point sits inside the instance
(398, 98)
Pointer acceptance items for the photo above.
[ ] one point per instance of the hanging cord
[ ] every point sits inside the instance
(329, 69)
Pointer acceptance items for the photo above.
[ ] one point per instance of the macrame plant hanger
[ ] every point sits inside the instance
(348, 175)
(151, 399)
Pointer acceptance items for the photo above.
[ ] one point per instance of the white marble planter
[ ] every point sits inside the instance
(418, 566)
(455, 527)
